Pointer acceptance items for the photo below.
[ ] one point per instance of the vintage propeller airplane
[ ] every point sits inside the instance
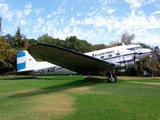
(108, 60)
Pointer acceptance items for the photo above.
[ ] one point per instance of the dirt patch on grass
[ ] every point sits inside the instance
(39, 104)
(148, 83)
(86, 90)
(51, 105)
(137, 78)
(80, 90)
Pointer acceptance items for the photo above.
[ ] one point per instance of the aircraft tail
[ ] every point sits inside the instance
(24, 61)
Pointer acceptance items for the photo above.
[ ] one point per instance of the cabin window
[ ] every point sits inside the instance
(138, 47)
(117, 53)
(109, 55)
(102, 57)
(130, 49)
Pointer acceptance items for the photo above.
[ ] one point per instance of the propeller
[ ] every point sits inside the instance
(157, 52)
(134, 58)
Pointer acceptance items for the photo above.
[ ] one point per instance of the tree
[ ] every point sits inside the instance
(45, 39)
(99, 46)
(145, 45)
(83, 46)
(1, 26)
(127, 38)
(19, 39)
(76, 44)
(151, 64)
(113, 43)
(7, 56)
(58, 42)
(10, 39)
(28, 42)
(70, 43)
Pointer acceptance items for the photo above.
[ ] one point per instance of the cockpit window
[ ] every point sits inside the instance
(134, 48)
(138, 47)
(130, 48)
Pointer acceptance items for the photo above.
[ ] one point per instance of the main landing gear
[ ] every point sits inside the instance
(111, 78)
(34, 76)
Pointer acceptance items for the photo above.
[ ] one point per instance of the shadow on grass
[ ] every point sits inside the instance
(87, 81)
(16, 78)
(27, 77)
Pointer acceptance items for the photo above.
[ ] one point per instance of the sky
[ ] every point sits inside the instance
(96, 21)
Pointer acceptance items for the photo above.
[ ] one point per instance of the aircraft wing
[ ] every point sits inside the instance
(69, 59)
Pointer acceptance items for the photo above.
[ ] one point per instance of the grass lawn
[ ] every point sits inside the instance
(79, 98)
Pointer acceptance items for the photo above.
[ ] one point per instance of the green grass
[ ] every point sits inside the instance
(79, 98)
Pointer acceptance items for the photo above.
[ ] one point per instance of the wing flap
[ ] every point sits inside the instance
(69, 59)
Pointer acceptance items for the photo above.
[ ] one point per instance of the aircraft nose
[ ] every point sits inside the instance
(148, 52)
(151, 52)
(143, 53)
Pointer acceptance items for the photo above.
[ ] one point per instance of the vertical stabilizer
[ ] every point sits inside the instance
(25, 61)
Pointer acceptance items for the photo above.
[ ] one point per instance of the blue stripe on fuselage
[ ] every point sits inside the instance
(125, 61)
(124, 55)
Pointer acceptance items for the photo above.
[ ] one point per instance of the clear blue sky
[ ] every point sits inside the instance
(96, 21)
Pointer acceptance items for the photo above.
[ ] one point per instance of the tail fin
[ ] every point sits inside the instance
(24, 61)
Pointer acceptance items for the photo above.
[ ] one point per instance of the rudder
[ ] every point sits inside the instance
(24, 60)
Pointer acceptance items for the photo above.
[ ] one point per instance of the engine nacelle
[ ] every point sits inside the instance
(125, 62)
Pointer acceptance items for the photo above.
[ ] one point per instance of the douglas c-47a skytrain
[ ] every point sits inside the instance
(107, 60)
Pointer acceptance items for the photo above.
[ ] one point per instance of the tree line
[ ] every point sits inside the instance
(11, 44)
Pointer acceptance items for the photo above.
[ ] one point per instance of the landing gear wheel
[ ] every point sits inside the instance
(111, 78)
(33, 77)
